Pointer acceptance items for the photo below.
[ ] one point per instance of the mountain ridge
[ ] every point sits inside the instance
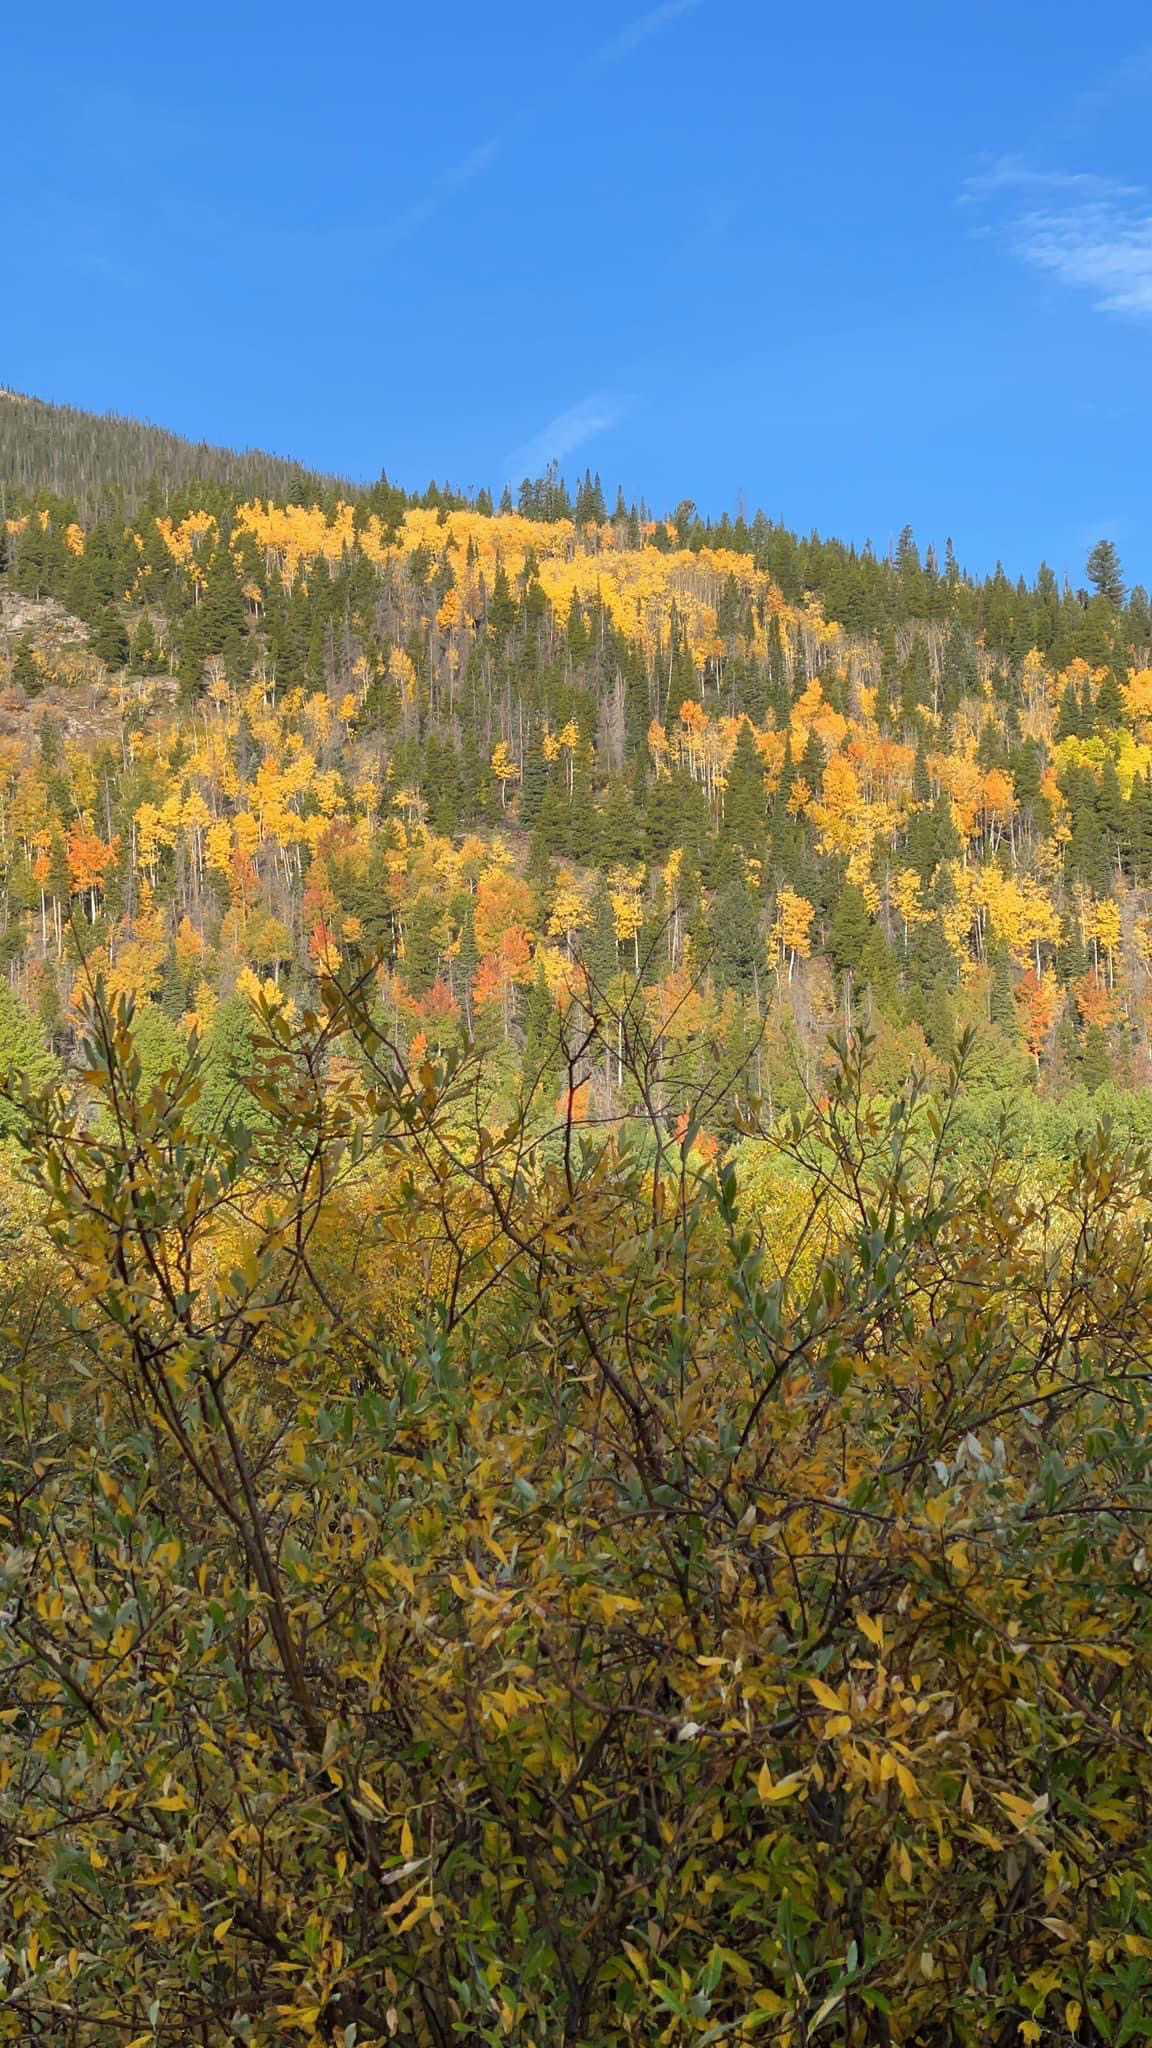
(105, 460)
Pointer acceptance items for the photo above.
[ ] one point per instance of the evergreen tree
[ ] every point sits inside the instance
(144, 654)
(599, 952)
(160, 1046)
(544, 1057)
(26, 673)
(850, 930)
(23, 1054)
(1095, 1058)
(738, 957)
(1104, 572)
(228, 1062)
(110, 638)
(1001, 1001)
(916, 691)
(1069, 725)
(939, 1018)
(422, 944)
(745, 803)
(878, 971)
(1110, 700)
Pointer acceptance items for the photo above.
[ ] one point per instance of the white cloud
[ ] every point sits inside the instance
(1090, 233)
(638, 31)
(439, 192)
(1096, 249)
(565, 433)
(1014, 174)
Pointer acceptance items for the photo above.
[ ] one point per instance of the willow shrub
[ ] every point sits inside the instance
(664, 1643)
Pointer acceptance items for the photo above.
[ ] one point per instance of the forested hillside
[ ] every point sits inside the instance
(99, 460)
(759, 785)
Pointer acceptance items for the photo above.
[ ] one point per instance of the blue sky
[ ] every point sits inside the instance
(860, 267)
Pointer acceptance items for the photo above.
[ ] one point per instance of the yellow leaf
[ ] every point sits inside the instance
(406, 1842)
(986, 1836)
(1022, 1812)
(221, 1928)
(870, 1626)
(422, 1906)
(825, 1695)
(785, 1788)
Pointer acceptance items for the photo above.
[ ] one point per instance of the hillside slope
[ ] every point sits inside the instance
(99, 458)
(739, 787)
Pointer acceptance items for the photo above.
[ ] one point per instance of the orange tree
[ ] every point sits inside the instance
(655, 1647)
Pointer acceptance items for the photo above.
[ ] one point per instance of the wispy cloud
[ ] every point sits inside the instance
(1129, 79)
(635, 32)
(566, 432)
(442, 188)
(1007, 174)
(1090, 233)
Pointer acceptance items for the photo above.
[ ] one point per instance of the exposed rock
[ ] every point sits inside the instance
(44, 617)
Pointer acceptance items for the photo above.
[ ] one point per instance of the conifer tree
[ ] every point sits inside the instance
(850, 929)
(738, 957)
(23, 1053)
(1104, 572)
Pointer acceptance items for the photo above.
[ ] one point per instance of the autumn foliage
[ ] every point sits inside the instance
(654, 1636)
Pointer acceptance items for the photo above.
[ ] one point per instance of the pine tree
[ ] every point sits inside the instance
(1001, 1001)
(228, 1059)
(599, 952)
(1104, 572)
(544, 1055)
(878, 971)
(850, 930)
(160, 1046)
(1068, 722)
(1110, 700)
(534, 785)
(940, 1018)
(745, 803)
(1095, 1059)
(144, 655)
(422, 943)
(26, 673)
(24, 1057)
(110, 638)
(738, 957)
(916, 681)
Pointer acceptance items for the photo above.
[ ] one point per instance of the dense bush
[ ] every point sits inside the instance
(656, 1641)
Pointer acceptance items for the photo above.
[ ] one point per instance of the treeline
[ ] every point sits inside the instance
(99, 459)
